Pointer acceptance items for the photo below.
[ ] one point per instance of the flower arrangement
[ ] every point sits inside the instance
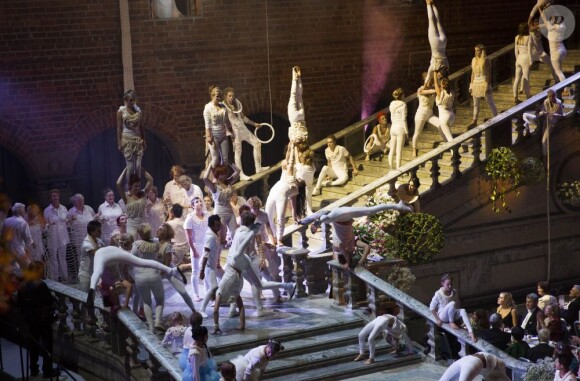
(505, 175)
(401, 277)
(543, 370)
(569, 192)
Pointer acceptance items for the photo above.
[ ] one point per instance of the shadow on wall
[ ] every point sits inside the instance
(99, 165)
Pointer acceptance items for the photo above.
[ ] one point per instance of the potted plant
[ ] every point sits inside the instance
(504, 173)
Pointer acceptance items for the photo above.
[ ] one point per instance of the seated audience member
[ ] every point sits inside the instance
(573, 306)
(529, 320)
(563, 370)
(506, 309)
(550, 319)
(544, 293)
(563, 348)
(494, 335)
(518, 348)
(543, 349)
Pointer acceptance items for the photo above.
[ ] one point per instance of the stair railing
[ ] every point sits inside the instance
(496, 131)
(126, 337)
(376, 285)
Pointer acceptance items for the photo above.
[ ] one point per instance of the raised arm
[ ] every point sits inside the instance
(149, 183)
(438, 87)
(206, 180)
(119, 130)
(236, 175)
(120, 187)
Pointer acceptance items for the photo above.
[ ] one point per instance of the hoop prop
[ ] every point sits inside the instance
(365, 149)
(271, 137)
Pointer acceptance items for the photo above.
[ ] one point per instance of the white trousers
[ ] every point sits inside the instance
(449, 314)
(339, 176)
(522, 73)
(423, 116)
(490, 103)
(446, 120)
(557, 57)
(276, 206)
(219, 151)
(242, 134)
(371, 330)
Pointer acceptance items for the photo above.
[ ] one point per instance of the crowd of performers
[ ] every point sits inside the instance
(134, 243)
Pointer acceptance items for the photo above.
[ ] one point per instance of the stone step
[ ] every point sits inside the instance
(294, 342)
(328, 365)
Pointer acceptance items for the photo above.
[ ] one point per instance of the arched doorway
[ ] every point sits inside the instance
(99, 165)
(14, 178)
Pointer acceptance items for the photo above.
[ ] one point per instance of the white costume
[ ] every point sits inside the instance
(424, 114)
(556, 34)
(196, 227)
(165, 9)
(306, 172)
(523, 63)
(78, 221)
(186, 197)
(155, 213)
(446, 114)
(108, 219)
(172, 192)
(338, 169)
(223, 208)
(480, 86)
(180, 244)
(88, 249)
(57, 240)
(136, 210)
(398, 131)
(241, 133)
(216, 119)
(388, 324)
(252, 365)
(553, 112)
(447, 307)
(131, 141)
(537, 52)
(272, 272)
(469, 367)
(437, 41)
(111, 255)
(212, 249)
(380, 140)
(37, 252)
(296, 116)
(277, 201)
(570, 376)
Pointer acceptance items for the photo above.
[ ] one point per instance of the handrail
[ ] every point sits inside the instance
(454, 145)
(355, 127)
(421, 309)
(132, 323)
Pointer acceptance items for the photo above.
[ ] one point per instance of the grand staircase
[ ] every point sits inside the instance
(540, 79)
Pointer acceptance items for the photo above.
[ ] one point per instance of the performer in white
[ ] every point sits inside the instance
(469, 367)
(424, 114)
(110, 255)
(252, 366)
(522, 50)
(378, 141)
(444, 100)
(556, 37)
(537, 52)
(437, 41)
(217, 125)
(391, 327)
(173, 189)
(399, 130)
(553, 110)
(221, 191)
(480, 86)
(336, 166)
(109, 212)
(90, 245)
(211, 270)
(241, 133)
(341, 218)
(131, 134)
(196, 227)
(297, 131)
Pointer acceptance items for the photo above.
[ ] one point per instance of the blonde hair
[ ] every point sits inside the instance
(479, 62)
(398, 94)
(508, 299)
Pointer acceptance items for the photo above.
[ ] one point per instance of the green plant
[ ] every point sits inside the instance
(532, 170)
(401, 277)
(504, 173)
(543, 370)
(419, 236)
(569, 192)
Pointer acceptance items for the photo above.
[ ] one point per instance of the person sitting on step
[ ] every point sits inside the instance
(335, 172)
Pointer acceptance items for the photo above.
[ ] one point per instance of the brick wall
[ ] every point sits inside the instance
(61, 69)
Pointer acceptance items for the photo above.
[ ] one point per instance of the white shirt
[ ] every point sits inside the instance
(212, 249)
(109, 215)
(172, 191)
(55, 219)
(198, 227)
(180, 243)
(78, 221)
(338, 157)
(17, 232)
(86, 260)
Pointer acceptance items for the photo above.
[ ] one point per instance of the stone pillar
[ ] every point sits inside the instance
(294, 264)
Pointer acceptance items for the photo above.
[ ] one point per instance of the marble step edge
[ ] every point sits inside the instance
(256, 340)
(343, 368)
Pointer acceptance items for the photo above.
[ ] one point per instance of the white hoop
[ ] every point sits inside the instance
(365, 149)
(238, 107)
(271, 137)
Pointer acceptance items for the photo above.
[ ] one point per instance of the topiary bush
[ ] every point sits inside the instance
(419, 236)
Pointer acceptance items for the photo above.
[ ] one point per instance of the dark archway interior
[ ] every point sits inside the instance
(14, 179)
(99, 165)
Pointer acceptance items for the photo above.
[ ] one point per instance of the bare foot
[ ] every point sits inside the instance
(369, 361)
(453, 325)
(359, 357)
(217, 330)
